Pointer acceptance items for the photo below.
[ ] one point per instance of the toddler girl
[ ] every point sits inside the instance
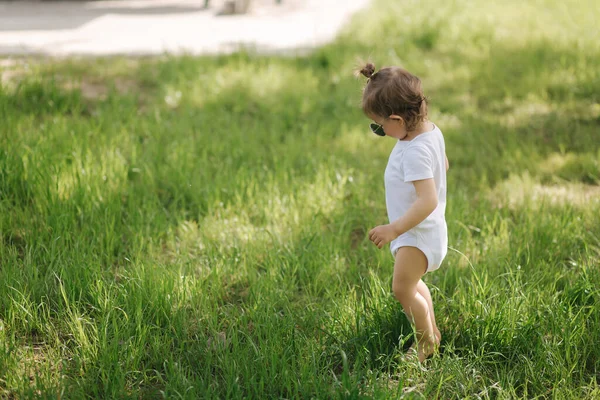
(415, 193)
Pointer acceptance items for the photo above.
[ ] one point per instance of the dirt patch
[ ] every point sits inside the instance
(95, 89)
(12, 70)
(357, 236)
(93, 85)
(17, 239)
(34, 362)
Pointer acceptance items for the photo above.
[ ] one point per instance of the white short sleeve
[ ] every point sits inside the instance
(417, 164)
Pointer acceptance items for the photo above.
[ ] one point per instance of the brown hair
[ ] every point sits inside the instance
(394, 90)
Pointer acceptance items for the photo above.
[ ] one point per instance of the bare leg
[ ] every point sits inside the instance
(409, 267)
(424, 291)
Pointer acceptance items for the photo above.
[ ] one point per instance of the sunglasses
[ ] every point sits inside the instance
(377, 129)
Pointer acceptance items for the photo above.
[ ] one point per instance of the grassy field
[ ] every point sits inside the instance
(195, 227)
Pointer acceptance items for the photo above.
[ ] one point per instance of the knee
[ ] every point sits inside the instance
(402, 293)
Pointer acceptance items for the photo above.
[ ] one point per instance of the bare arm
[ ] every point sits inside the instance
(425, 204)
(447, 164)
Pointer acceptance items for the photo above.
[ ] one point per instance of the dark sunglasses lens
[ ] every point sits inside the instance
(377, 129)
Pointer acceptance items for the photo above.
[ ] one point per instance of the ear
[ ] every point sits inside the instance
(397, 118)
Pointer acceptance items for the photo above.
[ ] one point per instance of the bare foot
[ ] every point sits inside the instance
(438, 340)
(426, 349)
(438, 337)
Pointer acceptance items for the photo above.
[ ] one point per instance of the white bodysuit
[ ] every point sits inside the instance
(423, 157)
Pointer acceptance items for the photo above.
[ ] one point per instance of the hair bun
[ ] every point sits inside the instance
(368, 70)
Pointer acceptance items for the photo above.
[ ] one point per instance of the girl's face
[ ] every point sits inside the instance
(393, 126)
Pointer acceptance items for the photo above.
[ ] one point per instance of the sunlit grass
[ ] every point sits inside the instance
(195, 227)
(524, 191)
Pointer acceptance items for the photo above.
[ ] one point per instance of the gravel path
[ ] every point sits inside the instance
(142, 27)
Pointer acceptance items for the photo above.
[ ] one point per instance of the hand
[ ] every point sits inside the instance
(382, 235)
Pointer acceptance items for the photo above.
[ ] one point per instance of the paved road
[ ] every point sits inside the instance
(174, 26)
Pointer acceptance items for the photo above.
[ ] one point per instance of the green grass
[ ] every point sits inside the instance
(188, 227)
